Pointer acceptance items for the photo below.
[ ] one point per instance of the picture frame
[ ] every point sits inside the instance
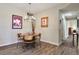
(16, 22)
(44, 22)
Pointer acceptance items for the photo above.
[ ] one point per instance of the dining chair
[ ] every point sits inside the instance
(38, 39)
(20, 40)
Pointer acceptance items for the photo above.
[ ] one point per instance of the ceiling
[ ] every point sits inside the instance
(35, 7)
(72, 9)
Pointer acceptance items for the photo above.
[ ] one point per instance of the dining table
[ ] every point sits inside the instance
(30, 35)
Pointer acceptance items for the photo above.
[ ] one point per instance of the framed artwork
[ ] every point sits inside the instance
(44, 22)
(16, 22)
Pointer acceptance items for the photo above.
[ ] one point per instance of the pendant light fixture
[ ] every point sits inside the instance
(29, 16)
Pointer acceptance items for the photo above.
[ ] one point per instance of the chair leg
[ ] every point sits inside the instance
(23, 47)
(39, 42)
(17, 45)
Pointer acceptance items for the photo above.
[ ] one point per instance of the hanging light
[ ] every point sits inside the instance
(29, 15)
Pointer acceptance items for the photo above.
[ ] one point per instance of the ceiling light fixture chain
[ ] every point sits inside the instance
(29, 7)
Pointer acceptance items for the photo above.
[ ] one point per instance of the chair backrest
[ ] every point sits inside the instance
(19, 35)
(38, 36)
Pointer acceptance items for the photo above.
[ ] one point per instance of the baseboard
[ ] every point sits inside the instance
(50, 42)
(60, 43)
(8, 44)
(41, 40)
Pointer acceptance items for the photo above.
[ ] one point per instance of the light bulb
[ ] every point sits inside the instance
(33, 17)
(25, 17)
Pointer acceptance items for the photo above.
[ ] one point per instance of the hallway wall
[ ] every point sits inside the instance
(65, 30)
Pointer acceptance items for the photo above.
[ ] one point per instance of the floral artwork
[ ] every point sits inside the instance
(16, 22)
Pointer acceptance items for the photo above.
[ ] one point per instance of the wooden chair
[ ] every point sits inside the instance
(20, 39)
(37, 38)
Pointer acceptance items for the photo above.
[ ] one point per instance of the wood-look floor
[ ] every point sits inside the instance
(46, 49)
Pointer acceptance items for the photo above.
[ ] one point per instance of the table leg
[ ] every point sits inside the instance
(73, 40)
(77, 40)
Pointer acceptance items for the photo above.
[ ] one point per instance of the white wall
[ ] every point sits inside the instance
(65, 30)
(7, 34)
(51, 33)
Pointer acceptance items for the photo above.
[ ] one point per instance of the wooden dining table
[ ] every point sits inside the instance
(29, 35)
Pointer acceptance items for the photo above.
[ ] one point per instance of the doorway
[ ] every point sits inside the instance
(68, 23)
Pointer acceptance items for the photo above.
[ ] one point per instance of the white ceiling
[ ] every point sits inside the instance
(35, 7)
(72, 9)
